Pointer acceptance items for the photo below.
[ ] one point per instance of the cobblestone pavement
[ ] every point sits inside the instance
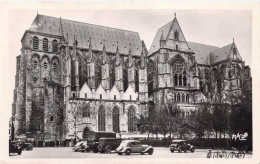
(66, 152)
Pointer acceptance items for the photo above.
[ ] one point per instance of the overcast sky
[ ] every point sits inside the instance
(212, 27)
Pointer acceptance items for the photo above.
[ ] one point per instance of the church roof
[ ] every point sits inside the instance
(202, 52)
(166, 33)
(99, 35)
(224, 53)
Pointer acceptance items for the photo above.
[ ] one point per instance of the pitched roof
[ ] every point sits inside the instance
(84, 31)
(202, 52)
(165, 33)
(223, 53)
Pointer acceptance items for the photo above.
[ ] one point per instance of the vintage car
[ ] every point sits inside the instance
(181, 145)
(78, 145)
(84, 147)
(27, 146)
(14, 148)
(93, 139)
(133, 146)
(106, 145)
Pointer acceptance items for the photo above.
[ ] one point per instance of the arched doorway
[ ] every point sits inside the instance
(101, 119)
(85, 135)
(131, 119)
(116, 120)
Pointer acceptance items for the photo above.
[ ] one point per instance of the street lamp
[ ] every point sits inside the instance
(75, 121)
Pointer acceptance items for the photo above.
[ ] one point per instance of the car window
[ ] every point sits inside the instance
(138, 143)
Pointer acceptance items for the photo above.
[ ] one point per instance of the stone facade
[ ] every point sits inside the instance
(75, 77)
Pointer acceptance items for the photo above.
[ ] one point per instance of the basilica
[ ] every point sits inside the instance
(74, 77)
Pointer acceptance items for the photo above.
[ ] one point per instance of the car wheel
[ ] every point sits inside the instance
(108, 150)
(150, 152)
(20, 152)
(192, 150)
(142, 153)
(76, 150)
(184, 151)
(172, 151)
(95, 151)
(179, 150)
(128, 152)
(119, 153)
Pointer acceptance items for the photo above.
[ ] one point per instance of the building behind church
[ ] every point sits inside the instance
(74, 77)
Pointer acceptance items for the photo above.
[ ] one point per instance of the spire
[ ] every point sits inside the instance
(174, 15)
(90, 45)
(90, 50)
(233, 40)
(130, 56)
(104, 45)
(142, 58)
(104, 52)
(117, 55)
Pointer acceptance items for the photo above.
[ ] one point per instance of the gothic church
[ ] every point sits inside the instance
(74, 77)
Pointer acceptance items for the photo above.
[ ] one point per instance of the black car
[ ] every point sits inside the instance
(181, 145)
(106, 145)
(93, 139)
(28, 146)
(14, 148)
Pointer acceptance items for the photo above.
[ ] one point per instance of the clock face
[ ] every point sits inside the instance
(178, 66)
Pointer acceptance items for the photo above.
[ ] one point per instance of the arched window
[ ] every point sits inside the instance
(177, 47)
(175, 97)
(54, 45)
(178, 97)
(45, 65)
(183, 98)
(35, 43)
(35, 80)
(55, 65)
(180, 79)
(131, 120)
(176, 35)
(176, 79)
(86, 111)
(45, 44)
(44, 80)
(101, 119)
(116, 120)
(187, 98)
(184, 79)
(35, 64)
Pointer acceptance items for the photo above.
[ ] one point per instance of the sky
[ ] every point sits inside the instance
(211, 27)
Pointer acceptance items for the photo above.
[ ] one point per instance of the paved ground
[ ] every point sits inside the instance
(66, 152)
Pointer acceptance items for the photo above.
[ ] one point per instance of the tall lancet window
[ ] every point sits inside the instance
(101, 119)
(184, 79)
(131, 120)
(176, 35)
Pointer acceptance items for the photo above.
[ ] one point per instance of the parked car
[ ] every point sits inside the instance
(133, 146)
(106, 145)
(14, 147)
(84, 147)
(93, 139)
(27, 146)
(181, 145)
(78, 146)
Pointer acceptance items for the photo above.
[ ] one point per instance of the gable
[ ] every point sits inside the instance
(85, 90)
(166, 32)
(114, 92)
(129, 92)
(101, 91)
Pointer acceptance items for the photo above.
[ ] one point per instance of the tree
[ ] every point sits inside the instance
(200, 120)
